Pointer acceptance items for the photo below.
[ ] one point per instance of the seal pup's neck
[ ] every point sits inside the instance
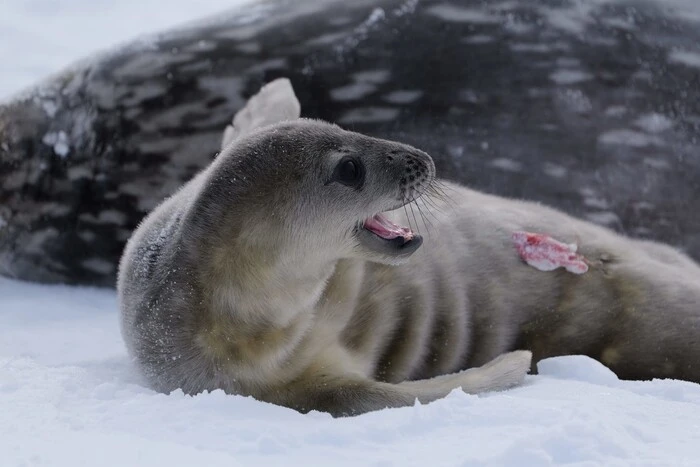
(261, 302)
(266, 283)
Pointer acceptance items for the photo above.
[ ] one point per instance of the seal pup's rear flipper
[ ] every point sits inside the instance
(275, 102)
(343, 395)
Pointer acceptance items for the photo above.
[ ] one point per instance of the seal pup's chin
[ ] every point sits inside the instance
(381, 236)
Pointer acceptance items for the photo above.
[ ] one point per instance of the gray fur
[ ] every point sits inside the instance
(250, 279)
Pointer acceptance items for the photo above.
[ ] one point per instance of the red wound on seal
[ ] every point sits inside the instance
(546, 254)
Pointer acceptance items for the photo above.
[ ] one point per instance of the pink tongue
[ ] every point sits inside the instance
(386, 229)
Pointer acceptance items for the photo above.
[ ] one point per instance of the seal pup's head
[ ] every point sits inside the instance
(313, 188)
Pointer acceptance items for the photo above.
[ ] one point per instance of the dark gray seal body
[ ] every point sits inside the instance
(591, 107)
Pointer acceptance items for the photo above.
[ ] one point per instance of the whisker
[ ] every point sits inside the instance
(430, 208)
(423, 218)
(440, 189)
(410, 205)
(431, 205)
(428, 203)
(408, 219)
(432, 191)
(442, 183)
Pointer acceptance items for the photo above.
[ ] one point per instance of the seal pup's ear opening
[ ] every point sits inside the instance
(274, 103)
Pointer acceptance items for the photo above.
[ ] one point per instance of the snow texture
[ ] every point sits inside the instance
(70, 396)
(39, 37)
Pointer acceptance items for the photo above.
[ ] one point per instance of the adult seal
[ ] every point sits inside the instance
(288, 270)
(588, 106)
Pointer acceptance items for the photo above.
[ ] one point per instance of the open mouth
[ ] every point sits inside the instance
(384, 228)
(382, 235)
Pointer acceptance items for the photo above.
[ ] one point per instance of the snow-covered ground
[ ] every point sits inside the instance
(69, 396)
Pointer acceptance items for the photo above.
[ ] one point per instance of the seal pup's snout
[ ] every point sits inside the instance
(410, 172)
(418, 173)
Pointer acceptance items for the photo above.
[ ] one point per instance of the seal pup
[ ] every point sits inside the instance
(282, 271)
(590, 107)
(271, 274)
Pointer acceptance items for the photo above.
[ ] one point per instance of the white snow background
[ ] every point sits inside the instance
(70, 397)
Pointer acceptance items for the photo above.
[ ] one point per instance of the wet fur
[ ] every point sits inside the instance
(248, 280)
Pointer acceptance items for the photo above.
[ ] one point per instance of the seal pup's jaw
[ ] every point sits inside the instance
(382, 237)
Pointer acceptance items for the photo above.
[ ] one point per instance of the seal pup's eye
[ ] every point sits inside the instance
(350, 172)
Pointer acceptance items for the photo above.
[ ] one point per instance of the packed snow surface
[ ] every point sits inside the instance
(69, 395)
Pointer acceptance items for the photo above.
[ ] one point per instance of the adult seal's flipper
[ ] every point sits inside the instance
(275, 102)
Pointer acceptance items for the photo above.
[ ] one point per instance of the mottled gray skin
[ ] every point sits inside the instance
(590, 108)
(253, 278)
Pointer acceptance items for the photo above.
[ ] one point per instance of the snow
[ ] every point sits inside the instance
(654, 123)
(39, 37)
(70, 396)
(690, 59)
(59, 141)
(570, 76)
(456, 14)
(627, 137)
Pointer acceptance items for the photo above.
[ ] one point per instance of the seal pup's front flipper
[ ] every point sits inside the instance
(275, 102)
